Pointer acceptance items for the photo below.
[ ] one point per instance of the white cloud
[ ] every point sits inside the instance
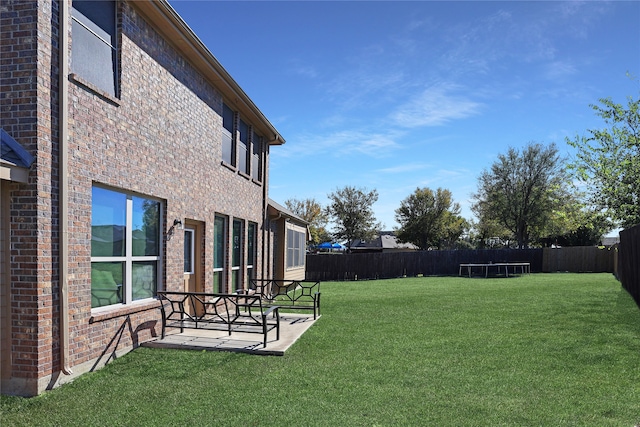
(404, 168)
(298, 67)
(364, 86)
(435, 106)
(559, 69)
(343, 143)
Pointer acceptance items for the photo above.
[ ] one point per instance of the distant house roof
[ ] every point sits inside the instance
(14, 159)
(374, 244)
(385, 241)
(390, 241)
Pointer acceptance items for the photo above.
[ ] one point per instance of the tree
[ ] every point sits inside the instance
(429, 219)
(488, 233)
(573, 223)
(312, 212)
(608, 161)
(521, 190)
(351, 211)
(589, 227)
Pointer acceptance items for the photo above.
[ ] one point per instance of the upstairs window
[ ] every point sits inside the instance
(256, 164)
(241, 145)
(243, 131)
(94, 41)
(228, 146)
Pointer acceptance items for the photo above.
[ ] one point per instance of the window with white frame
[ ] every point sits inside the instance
(94, 39)
(125, 247)
(296, 248)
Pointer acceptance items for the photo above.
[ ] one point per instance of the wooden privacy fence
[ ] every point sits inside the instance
(447, 263)
(629, 261)
(579, 259)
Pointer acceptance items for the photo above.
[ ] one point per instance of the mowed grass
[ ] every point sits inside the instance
(537, 350)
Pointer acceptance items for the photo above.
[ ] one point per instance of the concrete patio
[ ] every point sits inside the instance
(292, 326)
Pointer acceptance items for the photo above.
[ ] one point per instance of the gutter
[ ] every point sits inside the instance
(63, 120)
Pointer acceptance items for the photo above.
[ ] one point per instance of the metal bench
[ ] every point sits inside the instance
(213, 311)
(288, 294)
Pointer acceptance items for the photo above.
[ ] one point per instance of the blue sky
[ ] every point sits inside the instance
(398, 95)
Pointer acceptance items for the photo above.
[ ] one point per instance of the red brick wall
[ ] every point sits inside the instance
(161, 138)
(28, 94)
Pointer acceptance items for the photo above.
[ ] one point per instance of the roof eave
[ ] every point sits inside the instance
(277, 210)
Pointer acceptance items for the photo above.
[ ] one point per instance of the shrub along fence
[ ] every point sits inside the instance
(629, 261)
(447, 263)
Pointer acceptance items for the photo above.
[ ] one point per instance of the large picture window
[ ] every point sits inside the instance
(219, 252)
(125, 247)
(93, 50)
(295, 248)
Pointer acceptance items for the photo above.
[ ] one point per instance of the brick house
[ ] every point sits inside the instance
(132, 162)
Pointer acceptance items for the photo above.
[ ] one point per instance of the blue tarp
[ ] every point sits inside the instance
(330, 245)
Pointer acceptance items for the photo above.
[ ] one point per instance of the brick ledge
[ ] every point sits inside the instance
(124, 311)
(92, 88)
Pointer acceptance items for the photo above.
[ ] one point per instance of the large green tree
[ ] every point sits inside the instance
(521, 190)
(608, 161)
(351, 210)
(311, 211)
(584, 227)
(429, 219)
(574, 223)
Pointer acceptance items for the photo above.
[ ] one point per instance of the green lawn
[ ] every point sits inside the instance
(537, 350)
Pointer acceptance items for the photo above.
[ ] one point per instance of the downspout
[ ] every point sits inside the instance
(266, 226)
(266, 236)
(267, 243)
(274, 255)
(63, 120)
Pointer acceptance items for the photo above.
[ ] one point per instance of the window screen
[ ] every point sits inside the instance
(94, 40)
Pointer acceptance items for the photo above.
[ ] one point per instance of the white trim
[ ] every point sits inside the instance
(13, 173)
(128, 263)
